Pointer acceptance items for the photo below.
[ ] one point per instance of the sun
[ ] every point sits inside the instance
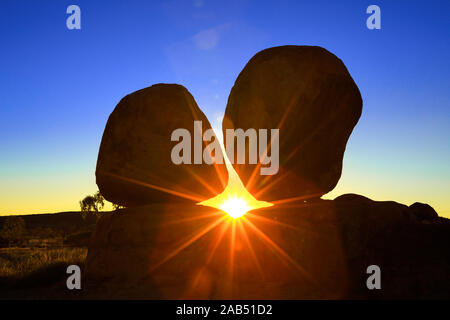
(235, 207)
(235, 200)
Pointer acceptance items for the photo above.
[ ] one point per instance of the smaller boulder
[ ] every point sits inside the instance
(423, 211)
(135, 166)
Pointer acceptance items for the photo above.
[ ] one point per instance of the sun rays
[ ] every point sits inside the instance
(226, 237)
(237, 247)
(235, 200)
(232, 231)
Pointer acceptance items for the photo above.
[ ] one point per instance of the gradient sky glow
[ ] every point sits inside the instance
(58, 86)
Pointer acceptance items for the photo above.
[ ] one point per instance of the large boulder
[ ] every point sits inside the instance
(318, 249)
(134, 165)
(307, 93)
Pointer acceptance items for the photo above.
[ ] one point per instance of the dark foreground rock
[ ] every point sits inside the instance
(134, 165)
(313, 250)
(309, 95)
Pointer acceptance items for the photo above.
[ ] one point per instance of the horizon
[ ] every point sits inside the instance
(59, 86)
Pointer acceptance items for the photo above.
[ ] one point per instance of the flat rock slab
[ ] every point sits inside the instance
(312, 250)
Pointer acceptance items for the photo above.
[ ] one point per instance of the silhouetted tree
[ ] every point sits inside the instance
(92, 204)
(99, 200)
(13, 229)
(117, 206)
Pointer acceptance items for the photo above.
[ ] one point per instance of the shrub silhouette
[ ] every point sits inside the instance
(13, 229)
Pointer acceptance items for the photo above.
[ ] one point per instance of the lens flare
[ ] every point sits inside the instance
(235, 200)
(235, 207)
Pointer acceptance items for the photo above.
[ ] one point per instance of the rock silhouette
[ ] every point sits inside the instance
(424, 212)
(134, 164)
(331, 244)
(309, 95)
(308, 249)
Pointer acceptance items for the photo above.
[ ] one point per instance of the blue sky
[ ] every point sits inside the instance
(58, 86)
